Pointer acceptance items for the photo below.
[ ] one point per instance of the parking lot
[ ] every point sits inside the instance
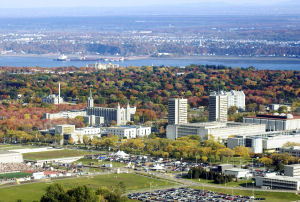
(189, 195)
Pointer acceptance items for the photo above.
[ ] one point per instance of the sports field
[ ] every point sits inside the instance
(31, 192)
(54, 154)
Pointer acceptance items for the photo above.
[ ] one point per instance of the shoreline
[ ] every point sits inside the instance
(214, 58)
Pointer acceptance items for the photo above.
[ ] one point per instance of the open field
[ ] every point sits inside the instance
(5, 147)
(30, 192)
(97, 162)
(270, 196)
(14, 175)
(54, 154)
(239, 183)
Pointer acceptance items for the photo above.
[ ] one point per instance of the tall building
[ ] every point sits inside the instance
(218, 106)
(236, 98)
(177, 111)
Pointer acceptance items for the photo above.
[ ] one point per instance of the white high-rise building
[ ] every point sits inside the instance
(236, 98)
(177, 111)
(218, 107)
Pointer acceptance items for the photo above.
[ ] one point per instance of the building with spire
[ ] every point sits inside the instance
(53, 99)
(119, 114)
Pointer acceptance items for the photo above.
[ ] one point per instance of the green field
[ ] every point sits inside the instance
(270, 196)
(5, 147)
(239, 183)
(14, 175)
(30, 192)
(54, 154)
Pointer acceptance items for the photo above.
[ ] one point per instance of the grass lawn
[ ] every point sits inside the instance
(14, 175)
(54, 154)
(239, 183)
(86, 161)
(30, 192)
(270, 196)
(5, 147)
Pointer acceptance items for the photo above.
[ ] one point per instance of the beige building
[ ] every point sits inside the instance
(177, 111)
(218, 106)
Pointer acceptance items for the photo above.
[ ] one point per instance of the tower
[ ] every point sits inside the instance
(58, 92)
(177, 111)
(218, 107)
(90, 102)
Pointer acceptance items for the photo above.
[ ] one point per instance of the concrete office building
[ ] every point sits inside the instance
(236, 98)
(65, 114)
(219, 130)
(294, 151)
(218, 106)
(53, 99)
(129, 131)
(10, 157)
(278, 182)
(264, 141)
(177, 111)
(238, 172)
(292, 170)
(276, 122)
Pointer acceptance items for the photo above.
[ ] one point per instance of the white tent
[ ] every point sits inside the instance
(157, 167)
(121, 154)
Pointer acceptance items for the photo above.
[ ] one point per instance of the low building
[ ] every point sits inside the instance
(238, 172)
(65, 114)
(219, 130)
(264, 141)
(64, 129)
(292, 170)
(222, 167)
(275, 122)
(129, 131)
(278, 182)
(53, 99)
(122, 132)
(294, 151)
(10, 157)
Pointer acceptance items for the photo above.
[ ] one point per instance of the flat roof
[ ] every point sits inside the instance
(283, 177)
(237, 170)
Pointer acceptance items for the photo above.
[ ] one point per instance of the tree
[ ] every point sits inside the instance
(70, 140)
(266, 161)
(86, 140)
(241, 151)
(57, 193)
(282, 109)
(232, 110)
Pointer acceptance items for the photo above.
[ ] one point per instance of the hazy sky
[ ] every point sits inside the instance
(127, 3)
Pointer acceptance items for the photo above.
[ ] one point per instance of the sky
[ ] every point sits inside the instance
(129, 3)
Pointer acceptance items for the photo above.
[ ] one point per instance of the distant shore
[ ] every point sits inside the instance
(260, 58)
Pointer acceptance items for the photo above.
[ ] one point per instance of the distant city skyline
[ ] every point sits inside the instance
(130, 3)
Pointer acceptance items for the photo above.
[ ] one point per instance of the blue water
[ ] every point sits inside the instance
(258, 64)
